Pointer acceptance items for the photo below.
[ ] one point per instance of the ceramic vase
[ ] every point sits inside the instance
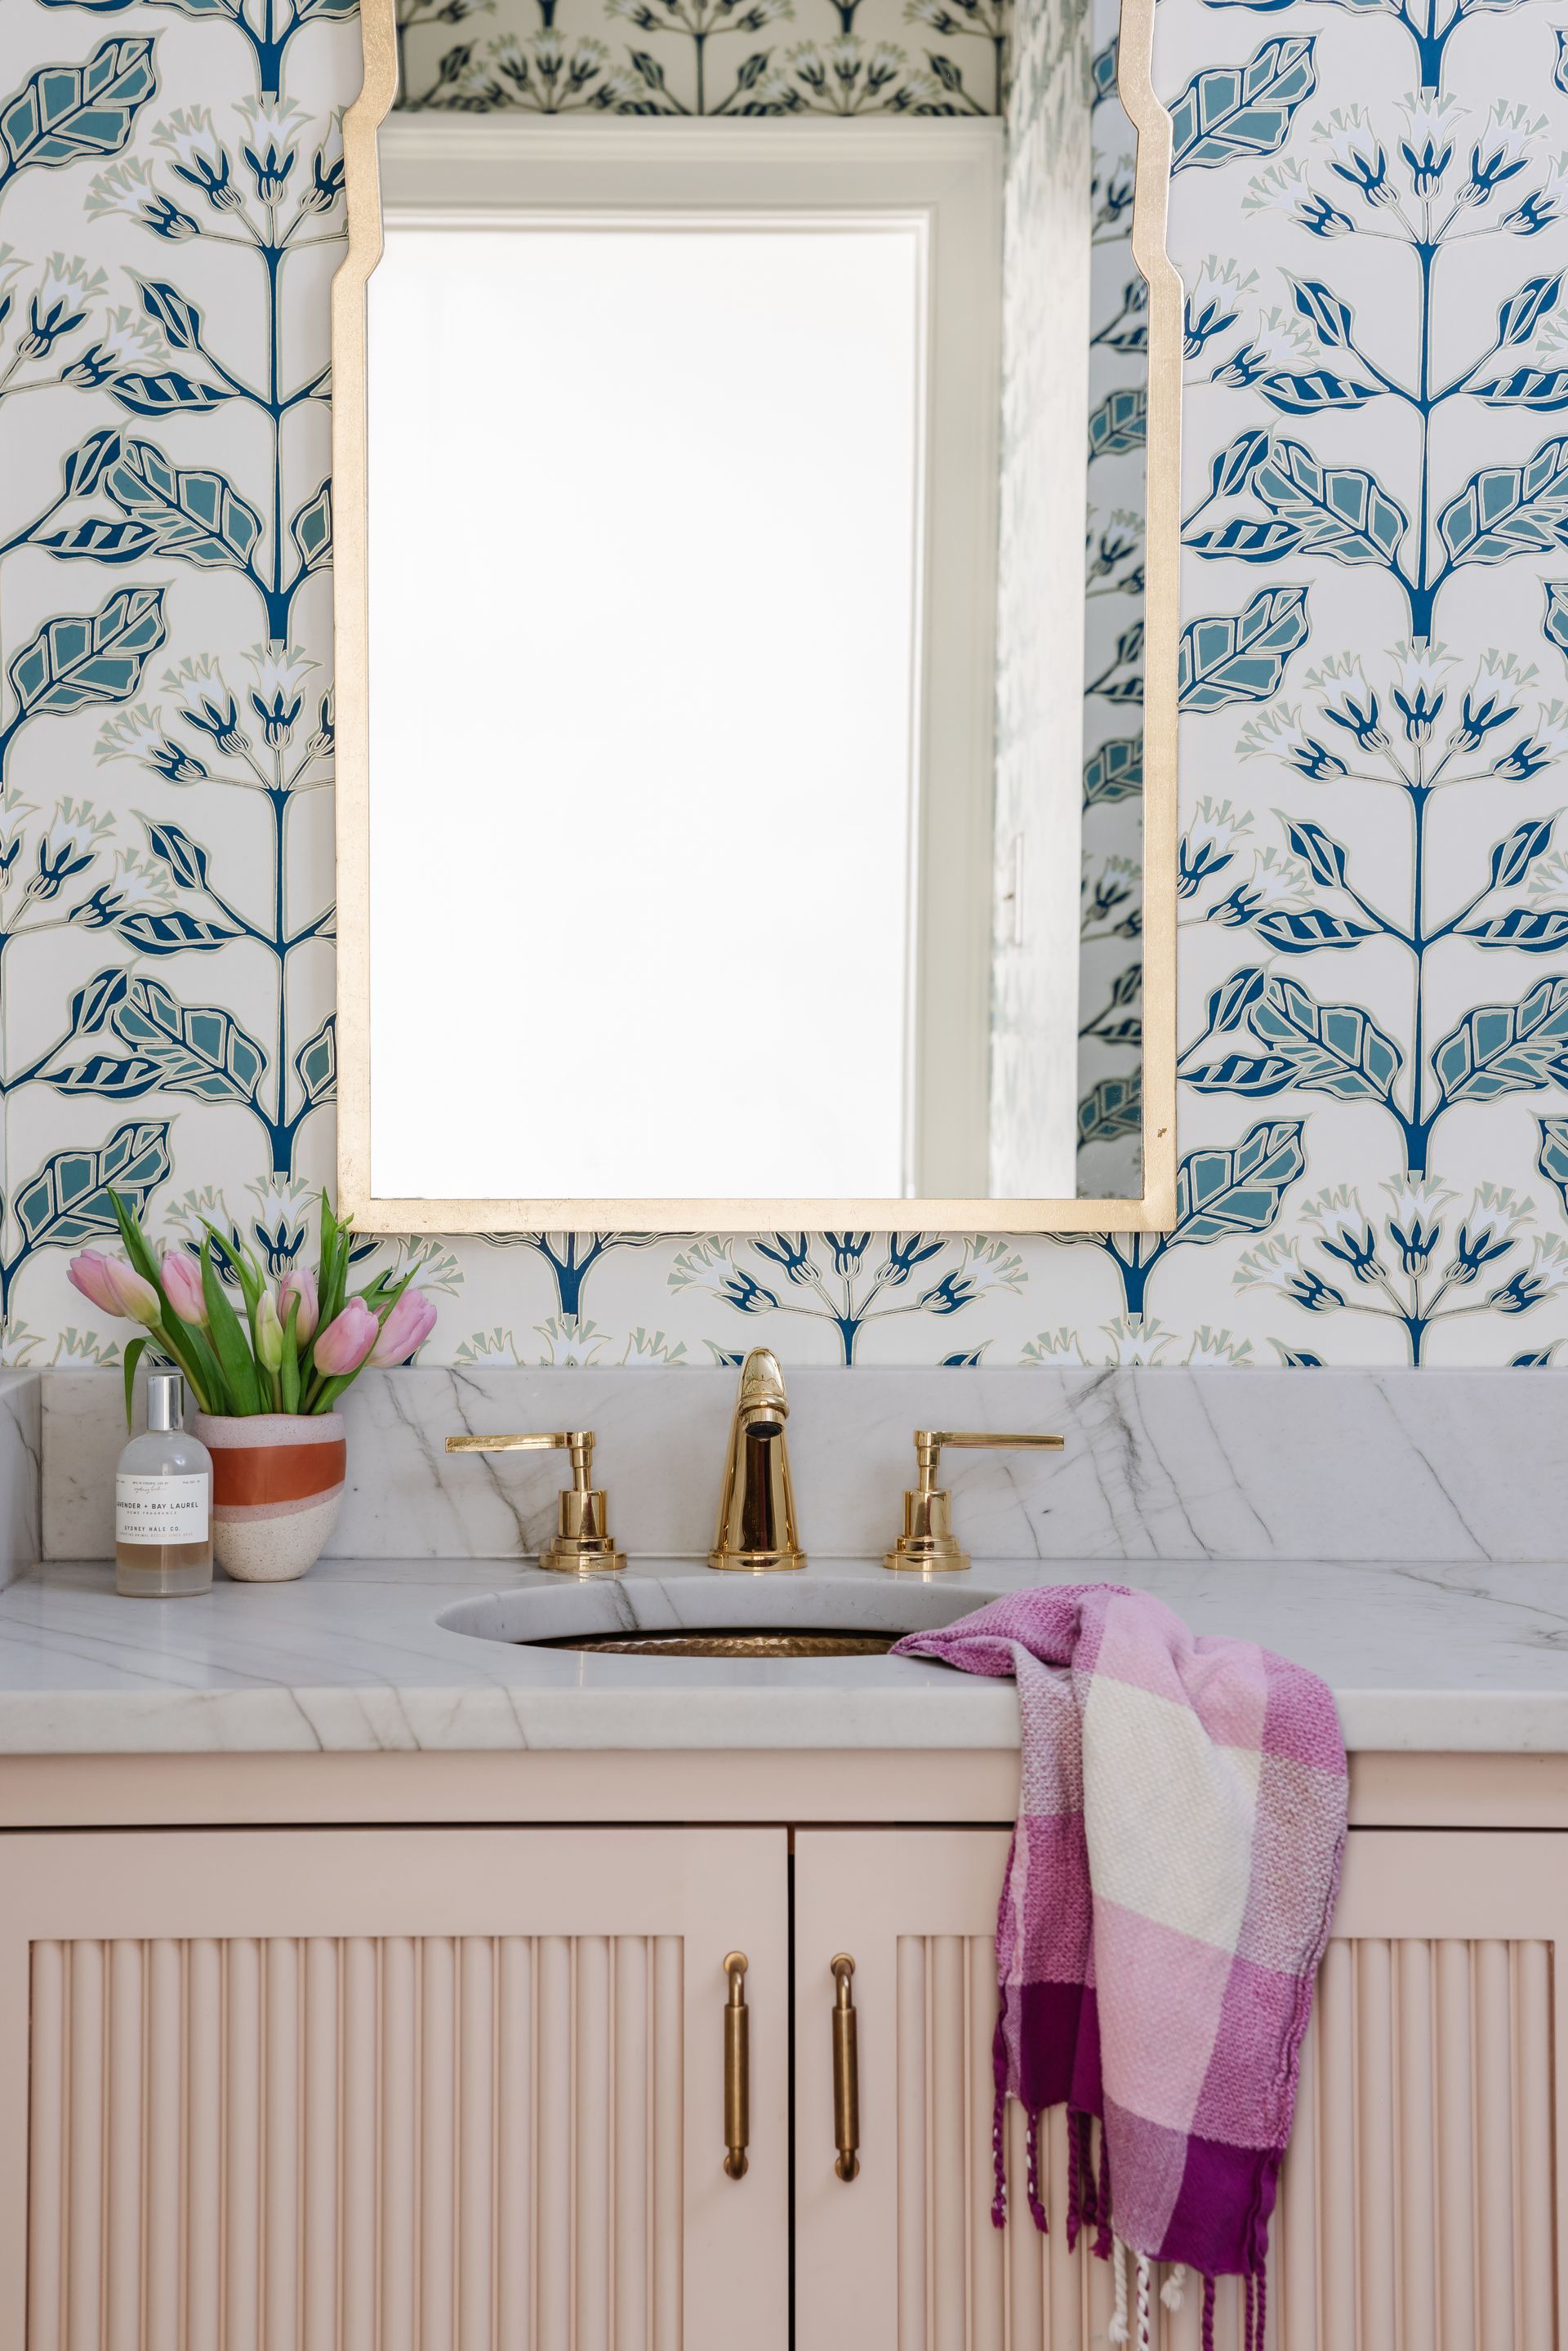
(277, 1486)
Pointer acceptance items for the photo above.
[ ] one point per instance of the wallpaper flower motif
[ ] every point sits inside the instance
(706, 57)
(1368, 211)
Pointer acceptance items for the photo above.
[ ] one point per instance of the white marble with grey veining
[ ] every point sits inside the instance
(1456, 1465)
(382, 1654)
(21, 1463)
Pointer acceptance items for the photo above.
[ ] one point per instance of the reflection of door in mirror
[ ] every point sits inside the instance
(713, 647)
(707, 473)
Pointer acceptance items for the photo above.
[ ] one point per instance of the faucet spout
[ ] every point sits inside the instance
(757, 1529)
(761, 1404)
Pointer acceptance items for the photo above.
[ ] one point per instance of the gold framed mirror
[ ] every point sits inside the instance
(765, 905)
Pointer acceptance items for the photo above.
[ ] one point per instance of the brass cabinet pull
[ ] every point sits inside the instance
(737, 2067)
(846, 2072)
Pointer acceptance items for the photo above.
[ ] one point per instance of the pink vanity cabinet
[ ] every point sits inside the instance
(391, 2089)
(293, 2063)
(1422, 2205)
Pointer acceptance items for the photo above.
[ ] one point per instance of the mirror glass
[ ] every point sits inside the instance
(719, 689)
(750, 746)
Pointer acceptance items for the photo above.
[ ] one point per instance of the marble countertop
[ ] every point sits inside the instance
(368, 1654)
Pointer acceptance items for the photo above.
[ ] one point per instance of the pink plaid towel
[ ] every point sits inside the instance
(1167, 1900)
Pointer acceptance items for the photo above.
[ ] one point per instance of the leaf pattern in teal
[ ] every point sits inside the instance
(1368, 213)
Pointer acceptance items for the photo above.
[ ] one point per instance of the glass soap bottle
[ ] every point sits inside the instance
(164, 1502)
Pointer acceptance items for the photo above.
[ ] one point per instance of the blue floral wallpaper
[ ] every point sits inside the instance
(705, 57)
(1110, 1057)
(1369, 212)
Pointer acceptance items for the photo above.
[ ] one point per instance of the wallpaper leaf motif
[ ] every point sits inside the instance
(192, 513)
(1240, 656)
(66, 1202)
(85, 657)
(1113, 1110)
(1337, 510)
(197, 1049)
(1220, 1193)
(66, 112)
(1332, 1048)
(1358, 1152)
(1229, 112)
(1552, 1156)
(1506, 1049)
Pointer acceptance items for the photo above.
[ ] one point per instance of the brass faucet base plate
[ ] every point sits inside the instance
(581, 1555)
(926, 1555)
(755, 1562)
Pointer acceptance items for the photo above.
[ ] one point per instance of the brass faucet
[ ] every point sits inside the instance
(582, 1544)
(928, 1544)
(757, 1502)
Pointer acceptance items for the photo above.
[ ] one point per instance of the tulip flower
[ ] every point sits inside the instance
(138, 1299)
(268, 1334)
(406, 1327)
(88, 1272)
(181, 1280)
(299, 1282)
(115, 1288)
(348, 1339)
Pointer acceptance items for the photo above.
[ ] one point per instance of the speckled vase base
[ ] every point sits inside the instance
(278, 1487)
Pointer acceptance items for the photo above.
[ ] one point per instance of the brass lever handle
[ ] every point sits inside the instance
(582, 1543)
(578, 1442)
(538, 1441)
(737, 2068)
(846, 2071)
(928, 1544)
(928, 1444)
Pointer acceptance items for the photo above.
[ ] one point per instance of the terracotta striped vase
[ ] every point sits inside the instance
(277, 1486)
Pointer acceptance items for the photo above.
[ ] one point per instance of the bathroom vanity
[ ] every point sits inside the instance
(364, 1977)
(305, 2039)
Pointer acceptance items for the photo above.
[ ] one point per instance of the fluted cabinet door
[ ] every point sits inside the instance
(1422, 2205)
(399, 2090)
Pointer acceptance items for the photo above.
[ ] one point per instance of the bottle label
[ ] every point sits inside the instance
(161, 1509)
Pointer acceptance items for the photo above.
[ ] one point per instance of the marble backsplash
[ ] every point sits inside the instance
(21, 1449)
(1434, 1467)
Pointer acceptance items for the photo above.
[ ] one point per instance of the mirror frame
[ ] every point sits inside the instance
(1152, 1210)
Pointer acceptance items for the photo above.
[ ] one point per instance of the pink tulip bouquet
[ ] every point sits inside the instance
(293, 1350)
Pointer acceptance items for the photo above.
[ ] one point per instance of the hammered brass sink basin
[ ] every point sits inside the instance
(678, 1609)
(779, 1643)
